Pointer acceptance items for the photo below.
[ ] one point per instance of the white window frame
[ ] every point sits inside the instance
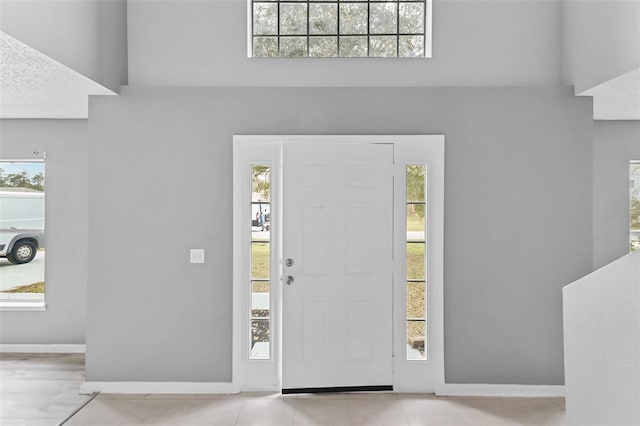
(29, 305)
(428, 32)
(409, 375)
(425, 253)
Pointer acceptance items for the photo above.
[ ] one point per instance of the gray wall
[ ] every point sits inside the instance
(615, 143)
(601, 40)
(89, 36)
(476, 43)
(66, 144)
(518, 219)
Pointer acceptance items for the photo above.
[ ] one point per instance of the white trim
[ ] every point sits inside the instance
(38, 304)
(22, 305)
(35, 159)
(448, 389)
(43, 348)
(428, 30)
(249, 13)
(159, 387)
(258, 374)
(525, 391)
(429, 151)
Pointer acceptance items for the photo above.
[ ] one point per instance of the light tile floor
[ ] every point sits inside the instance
(43, 390)
(388, 409)
(39, 389)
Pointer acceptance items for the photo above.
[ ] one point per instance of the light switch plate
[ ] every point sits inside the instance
(196, 255)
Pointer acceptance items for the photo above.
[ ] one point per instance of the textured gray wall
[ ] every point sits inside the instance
(517, 219)
(66, 144)
(476, 43)
(89, 36)
(615, 143)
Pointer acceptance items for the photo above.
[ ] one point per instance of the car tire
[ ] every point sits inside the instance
(23, 251)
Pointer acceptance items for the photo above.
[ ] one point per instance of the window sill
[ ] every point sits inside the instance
(14, 305)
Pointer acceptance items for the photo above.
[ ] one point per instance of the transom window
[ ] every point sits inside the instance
(337, 28)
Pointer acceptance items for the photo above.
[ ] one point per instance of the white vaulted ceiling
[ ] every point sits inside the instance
(32, 85)
(618, 98)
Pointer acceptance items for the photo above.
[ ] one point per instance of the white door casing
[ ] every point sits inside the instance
(407, 375)
(337, 297)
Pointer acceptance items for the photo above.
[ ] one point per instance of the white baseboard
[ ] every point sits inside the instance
(449, 389)
(159, 387)
(43, 349)
(272, 389)
(526, 391)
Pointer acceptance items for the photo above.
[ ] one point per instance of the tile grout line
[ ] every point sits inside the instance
(404, 412)
(244, 400)
(93, 396)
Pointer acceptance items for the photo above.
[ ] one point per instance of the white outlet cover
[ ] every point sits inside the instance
(196, 255)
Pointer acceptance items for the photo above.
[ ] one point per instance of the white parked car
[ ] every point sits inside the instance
(21, 225)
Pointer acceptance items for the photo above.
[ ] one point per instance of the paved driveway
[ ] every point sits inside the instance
(17, 275)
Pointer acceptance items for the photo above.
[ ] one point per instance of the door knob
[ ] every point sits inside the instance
(289, 280)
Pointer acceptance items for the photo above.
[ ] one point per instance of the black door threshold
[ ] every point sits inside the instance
(380, 388)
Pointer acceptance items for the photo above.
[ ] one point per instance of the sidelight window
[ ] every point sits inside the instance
(260, 285)
(416, 266)
(634, 206)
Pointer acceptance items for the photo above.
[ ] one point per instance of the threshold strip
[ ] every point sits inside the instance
(378, 388)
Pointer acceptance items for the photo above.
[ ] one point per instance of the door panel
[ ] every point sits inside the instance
(315, 225)
(337, 229)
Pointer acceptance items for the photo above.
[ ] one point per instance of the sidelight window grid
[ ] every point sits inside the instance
(634, 206)
(340, 28)
(260, 274)
(416, 290)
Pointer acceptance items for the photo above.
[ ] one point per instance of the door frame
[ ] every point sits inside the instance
(408, 375)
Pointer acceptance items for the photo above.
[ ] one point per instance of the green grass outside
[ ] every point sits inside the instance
(415, 223)
(415, 261)
(415, 291)
(29, 288)
(260, 265)
(415, 218)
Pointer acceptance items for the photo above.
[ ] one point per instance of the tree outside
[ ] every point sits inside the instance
(261, 182)
(22, 180)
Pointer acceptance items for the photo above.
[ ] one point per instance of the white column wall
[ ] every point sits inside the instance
(602, 345)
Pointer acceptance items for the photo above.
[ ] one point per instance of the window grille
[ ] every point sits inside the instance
(346, 29)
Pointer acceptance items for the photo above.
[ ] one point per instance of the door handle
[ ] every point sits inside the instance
(289, 280)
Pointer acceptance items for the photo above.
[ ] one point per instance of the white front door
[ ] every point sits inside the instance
(337, 249)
